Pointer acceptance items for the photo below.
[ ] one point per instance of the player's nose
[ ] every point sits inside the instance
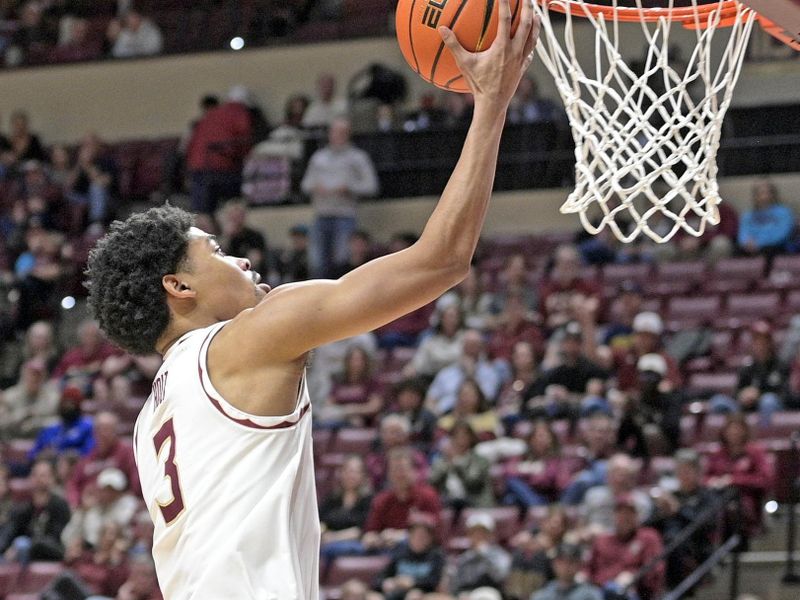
(243, 263)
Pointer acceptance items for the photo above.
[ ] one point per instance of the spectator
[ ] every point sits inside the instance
(561, 287)
(109, 452)
(106, 503)
(72, 432)
(473, 364)
(598, 505)
(513, 283)
(142, 583)
(336, 177)
(485, 563)
(416, 566)
(80, 45)
(93, 571)
(134, 35)
(459, 473)
(237, 239)
(524, 371)
(428, 114)
(30, 404)
(124, 377)
(39, 270)
(763, 384)
(743, 465)
(326, 107)
(768, 226)
(39, 344)
(33, 531)
(60, 165)
(92, 185)
(647, 331)
(514, 324)
(354, 589)
(391, 509)
(676, 510)
(532, 561)
(528, 107)
(599, 436)
(441, 349)
(717, 241)
(30, 41)
(540, 476)
(356, 396)
(344, 512)
(618, 334)
(142, 535)
(294, 260)
(650, 423)
(476, 303)
(217, 148)
(81, 364)
(616, 557)
(359, 252)
(472, 407)
(567, 564)
(409, 398)
(6, 500)
(329, 360)
(395, 433)
(25, 145)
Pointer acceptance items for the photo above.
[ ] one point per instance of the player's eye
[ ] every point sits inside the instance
(219, 251)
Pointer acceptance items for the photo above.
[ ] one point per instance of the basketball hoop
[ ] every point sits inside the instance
(647, 133)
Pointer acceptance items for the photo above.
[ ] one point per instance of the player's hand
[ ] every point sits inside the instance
(494, 74)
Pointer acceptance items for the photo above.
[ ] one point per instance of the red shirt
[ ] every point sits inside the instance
(390, 512)
(221, 139)
(612, 555)
(89, 467)
(503, 340)
(556, 299)
(625, 361)
(376, 467)
(77, 358)
(550, 477)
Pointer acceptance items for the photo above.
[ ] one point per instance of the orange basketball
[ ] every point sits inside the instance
(473, 21)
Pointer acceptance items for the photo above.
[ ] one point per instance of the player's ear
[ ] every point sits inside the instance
(177, 288)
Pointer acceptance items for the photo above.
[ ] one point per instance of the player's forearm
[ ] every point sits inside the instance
(453, 229)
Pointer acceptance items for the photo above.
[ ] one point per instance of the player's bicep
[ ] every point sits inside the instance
(296, 318)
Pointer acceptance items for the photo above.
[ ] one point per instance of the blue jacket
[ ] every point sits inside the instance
(78, 436)
(770, 226)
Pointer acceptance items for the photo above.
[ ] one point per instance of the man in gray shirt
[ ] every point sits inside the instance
(336, 177)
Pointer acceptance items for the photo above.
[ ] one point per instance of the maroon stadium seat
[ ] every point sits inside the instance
(363, 568)
(685, 311)
(681, 271)
(37, 576)
(353, 440)
(9, 572)
(616, 274)
(16, 451)
(743, 309)
(708, 384)
(20, 488)
(750, 269)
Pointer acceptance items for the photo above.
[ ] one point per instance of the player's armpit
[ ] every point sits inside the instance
(296, 318)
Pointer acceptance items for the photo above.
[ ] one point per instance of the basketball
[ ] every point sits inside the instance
(474, 23)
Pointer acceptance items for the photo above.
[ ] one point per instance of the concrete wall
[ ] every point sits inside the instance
(157, 97)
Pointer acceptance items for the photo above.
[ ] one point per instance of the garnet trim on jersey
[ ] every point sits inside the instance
(246, 422)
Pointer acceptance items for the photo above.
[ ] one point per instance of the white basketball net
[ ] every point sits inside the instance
(645, 158)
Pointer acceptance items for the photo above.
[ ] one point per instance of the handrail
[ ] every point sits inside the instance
(701, 571)
(706, 516)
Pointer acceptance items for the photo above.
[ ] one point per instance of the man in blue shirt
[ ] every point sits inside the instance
(73, 432)
(768, 226)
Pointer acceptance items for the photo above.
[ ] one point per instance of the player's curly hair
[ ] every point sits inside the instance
(124, 275)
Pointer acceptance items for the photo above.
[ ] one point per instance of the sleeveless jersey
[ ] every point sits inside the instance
(232, 495)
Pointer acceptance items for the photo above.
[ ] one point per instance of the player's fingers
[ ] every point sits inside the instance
(533, 37)
(504, 20)
(525, 25)
(451, 41)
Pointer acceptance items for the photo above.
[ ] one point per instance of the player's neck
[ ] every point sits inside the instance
(177, 329)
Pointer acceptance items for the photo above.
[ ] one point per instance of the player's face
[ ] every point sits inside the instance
(225, 285)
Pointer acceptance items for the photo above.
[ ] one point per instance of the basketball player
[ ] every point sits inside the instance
(223, 443)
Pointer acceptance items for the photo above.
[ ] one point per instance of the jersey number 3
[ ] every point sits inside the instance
(172, 509)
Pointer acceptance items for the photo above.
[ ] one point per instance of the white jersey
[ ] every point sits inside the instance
(232, 495)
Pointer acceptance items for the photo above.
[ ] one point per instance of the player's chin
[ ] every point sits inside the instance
(261, 291)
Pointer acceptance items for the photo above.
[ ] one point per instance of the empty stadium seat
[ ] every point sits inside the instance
(9, 572)
(363, 568)
(681, 271)
(353, 440)
(16, 451)
(688, 311)
(37, 576)
(707, 384)
(614, 274)
(744, 309)
(750, 269)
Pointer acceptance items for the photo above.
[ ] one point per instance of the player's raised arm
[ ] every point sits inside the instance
(295, 318)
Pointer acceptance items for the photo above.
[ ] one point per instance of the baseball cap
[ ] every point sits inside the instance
(648, 322)
(71, 396)
(652, 362)
(113, 478)
(480, 519)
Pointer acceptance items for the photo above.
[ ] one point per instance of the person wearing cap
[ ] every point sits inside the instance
(73, 431)
(618, 334)
(763, 383)
(617, 556)
(416, 566)
(485, 562)
(650, 423)
(30, 404)
(105, 502)
(567, 564)
(676, 509)
(648, 327)
(216, 151)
